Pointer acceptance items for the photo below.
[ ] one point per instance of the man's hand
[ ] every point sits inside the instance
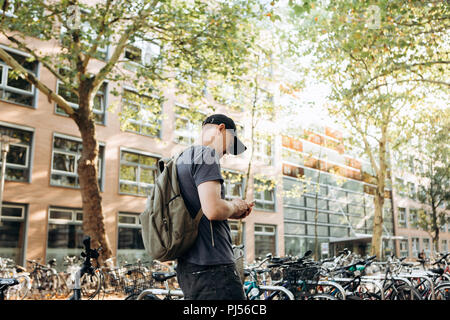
(242, 208)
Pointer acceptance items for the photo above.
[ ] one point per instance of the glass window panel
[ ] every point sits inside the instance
(61, 215)
(64, 240)
(128, 219)
(17, 155)
(147, 176)
(128, 173)
(64, 162)
(338, 232)
(130, 157)
(19, 98)
(295, 246)
(8, 211)
(18, 83)
(294, 228)
(128, 188)
(264, 244)
(12, 239)
(130, 238)
(148, 161)
(268, 195)
(63, 180)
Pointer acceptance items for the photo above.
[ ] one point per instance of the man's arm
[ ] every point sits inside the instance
(215, 208)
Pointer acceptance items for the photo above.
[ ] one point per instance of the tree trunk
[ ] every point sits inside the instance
(379, 199)
(377, 225)
(93, 219)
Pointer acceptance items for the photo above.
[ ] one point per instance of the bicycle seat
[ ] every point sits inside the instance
(408, 264)
(8, 282)
(163, 276)
(439, 271)
(20, 269)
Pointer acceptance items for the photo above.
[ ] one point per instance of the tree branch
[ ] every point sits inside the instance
(22, 46)
(31, 78)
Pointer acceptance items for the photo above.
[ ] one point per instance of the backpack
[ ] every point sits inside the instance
(168, 229)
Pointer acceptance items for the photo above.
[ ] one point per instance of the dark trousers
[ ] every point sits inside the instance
(217, 282)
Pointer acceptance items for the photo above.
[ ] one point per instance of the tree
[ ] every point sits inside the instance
(373, 57)
(165, 42)
(431, 165)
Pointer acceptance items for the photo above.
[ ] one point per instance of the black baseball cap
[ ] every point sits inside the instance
(218, 118)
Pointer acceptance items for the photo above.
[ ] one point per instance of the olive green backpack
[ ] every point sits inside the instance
(168, 229)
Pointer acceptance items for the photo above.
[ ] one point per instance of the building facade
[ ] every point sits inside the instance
(42, 212)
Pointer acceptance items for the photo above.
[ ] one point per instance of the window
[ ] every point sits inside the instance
(99, 106)
(444, 246)
(187, 124)
(321, 204)
(233, 184)
(294, 214)
(18, 159)
(322, 231)
(415, 247)
(143, 113)
(141, 53)
(66, 153)
(294, 246)
(264, 194)
(130, 245)
(404, 248)
(234, 232)
(65, 234)
(12, 232)
(339, 232)
(426, 246)
(16, 89)
(264, 150)
(294, 228)
(411, 190)
(137, 173)
(402, 218)
(413, 218)
(400, 186)
(265, 240)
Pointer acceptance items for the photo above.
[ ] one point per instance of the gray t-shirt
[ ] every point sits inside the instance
(198, 164)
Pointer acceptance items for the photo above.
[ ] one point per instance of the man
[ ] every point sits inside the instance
(208, 271)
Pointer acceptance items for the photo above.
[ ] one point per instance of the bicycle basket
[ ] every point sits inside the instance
(307, 276)
(135, 280)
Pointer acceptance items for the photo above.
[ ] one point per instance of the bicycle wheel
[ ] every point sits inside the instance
(134, 296)
(90, 285)
(442, 292)
(322, 296)
(64, 289)
(44, 284)
(19, 291)
(405, 292)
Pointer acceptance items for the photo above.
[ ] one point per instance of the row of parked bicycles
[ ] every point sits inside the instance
(82, 278)
(346, 276)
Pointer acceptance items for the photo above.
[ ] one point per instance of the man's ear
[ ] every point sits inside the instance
(221, 126)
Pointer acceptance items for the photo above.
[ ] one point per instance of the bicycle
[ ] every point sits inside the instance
(5, 284)
(87, 281)
(44, 280)
(154, 293)
(10, 270)
(255, 289)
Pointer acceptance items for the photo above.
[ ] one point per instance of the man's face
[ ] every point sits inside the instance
(227, 138)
